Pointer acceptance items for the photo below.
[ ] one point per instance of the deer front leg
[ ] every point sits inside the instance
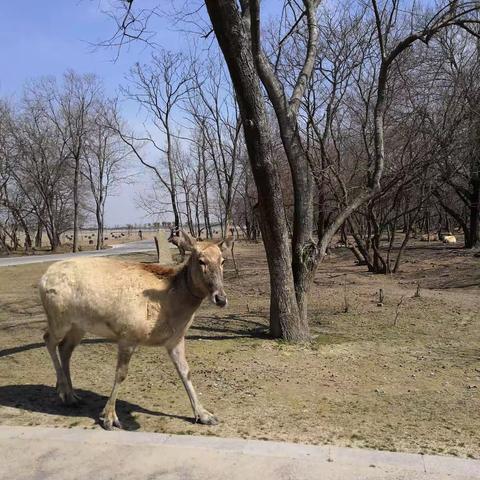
(177, 354)
(109, 417)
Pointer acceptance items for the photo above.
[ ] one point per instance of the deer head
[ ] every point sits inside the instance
(206, 268)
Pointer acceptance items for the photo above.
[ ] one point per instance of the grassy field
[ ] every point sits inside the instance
(363, 381)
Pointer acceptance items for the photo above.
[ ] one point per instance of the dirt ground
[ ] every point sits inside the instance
(363, 381)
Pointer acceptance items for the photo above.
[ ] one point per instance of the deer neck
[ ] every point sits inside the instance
(185, 286)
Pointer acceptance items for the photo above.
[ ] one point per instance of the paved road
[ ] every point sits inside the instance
(67, 454)
(121, 249)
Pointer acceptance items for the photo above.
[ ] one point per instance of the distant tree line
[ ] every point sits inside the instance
(59, 161)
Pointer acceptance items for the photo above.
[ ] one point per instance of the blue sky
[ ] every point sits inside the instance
(48, 37)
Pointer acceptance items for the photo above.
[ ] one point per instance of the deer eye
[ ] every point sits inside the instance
(223, 261)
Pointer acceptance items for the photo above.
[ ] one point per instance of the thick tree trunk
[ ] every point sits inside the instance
(474, 211)
(303, 248)
(285, 318)
(28, 241)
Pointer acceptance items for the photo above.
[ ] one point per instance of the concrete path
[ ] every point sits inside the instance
(64, 454)
(120, 249)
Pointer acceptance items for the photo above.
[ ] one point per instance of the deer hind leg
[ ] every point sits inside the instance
(65, 349)
(52, 339)
(108, 417)
(177, 354)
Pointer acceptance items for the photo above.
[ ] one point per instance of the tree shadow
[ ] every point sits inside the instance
(31, 346)
(223, 333)
(227, 327)
(44, 399)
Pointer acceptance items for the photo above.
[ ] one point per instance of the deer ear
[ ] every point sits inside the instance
(189, 242)
(225, 244)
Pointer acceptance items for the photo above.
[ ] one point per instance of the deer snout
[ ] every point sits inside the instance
(219, 299)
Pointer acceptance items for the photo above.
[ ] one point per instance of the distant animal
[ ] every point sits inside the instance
(131, 304)
(432, 237)
(441, 235)
(450, 239)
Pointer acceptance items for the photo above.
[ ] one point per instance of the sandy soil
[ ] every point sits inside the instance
(363, 381)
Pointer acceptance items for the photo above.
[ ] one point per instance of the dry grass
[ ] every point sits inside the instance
(361, 382)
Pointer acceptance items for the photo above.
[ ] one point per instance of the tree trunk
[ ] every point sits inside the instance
(474, 210)
(75, 204)
(285, 318)
(100, 229)
(39, 235)
(206, 213)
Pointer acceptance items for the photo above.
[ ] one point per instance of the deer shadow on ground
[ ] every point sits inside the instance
(44, 399)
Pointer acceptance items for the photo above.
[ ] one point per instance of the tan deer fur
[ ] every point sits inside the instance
(132, 304)
(450, 239)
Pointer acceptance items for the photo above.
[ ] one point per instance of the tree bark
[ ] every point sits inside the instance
(474, 207)
(285, 318)
(76, 176)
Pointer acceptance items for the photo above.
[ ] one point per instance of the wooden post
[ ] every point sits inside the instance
(157, 247)
(346, 306)
(380, 298)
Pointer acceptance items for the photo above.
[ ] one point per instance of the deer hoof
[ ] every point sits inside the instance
(108, 421)
(118, 424)
(67, 396)
(207, 418)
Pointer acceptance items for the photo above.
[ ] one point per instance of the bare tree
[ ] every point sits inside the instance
(68, 107)
(103, 159)
(217, 119)
(40, 166)
(158, 87)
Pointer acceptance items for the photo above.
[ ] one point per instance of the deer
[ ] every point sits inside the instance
(449, 239)
(178, 240)
(132, 304)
